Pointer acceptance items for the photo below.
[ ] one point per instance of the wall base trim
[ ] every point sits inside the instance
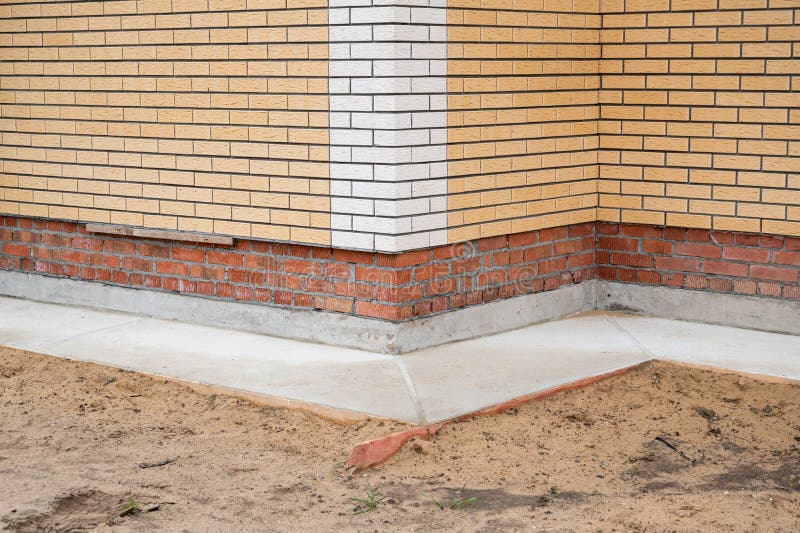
(736, 310)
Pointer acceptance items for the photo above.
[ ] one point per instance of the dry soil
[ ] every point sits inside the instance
(663, 447)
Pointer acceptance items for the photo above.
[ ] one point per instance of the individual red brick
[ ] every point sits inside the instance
(675, 234)
(753, 255)
(262, 262)
(620, 244)
(109, 261)
(720, 285)
(207, 272)
(216, 257)
(539, 252)
(659, 247)
(773, 273)
(223, 290)
(628, 275)
(581, 230)
(351, 256)
(172, 268)
(262, 295)
(205, 287)
(171, 284)
(723, 237)
(317, 285)
(144, 249)
(791, 244)
(746, 239)
(466, 265)
(303, 267)
(435, 270)
(650, 277)
(694, 281)
(249, 277)
(338, 271)
(552, 265)
(725, 268)
(607, 228)
(282, 297)
(74, 256)
(441, 286)
(408, 293)
(677, 263)
(363, 291)
(698, 250)
(242, 293)
(634, 260)
(338, 305)
(383, 276)
(19, 250)
(771, 241)
(119, 247)
(607, 273)
(791, 291)
(303, 300)
(523, 239)
(769, 288)
(417, 257)
(492, 243)
(552, 234)
(786, 258)
(193, 255)
(641, 231)
(450, 251)
(382, 311)
(567, 247)
(698, 235)
(671, 279)
(742, 286)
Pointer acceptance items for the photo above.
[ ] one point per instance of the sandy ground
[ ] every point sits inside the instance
(661, 448)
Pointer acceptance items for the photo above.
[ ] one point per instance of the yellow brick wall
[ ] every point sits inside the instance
(196, 115)
(700, 114)
(522, 115)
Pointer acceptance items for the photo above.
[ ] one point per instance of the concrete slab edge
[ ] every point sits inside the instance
(308, 325)
(371, 453)
(741, 311)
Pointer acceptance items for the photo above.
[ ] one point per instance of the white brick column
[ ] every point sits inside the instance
(388, 120)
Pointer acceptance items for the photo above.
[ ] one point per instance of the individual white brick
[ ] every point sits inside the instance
(438, 237)
(377, 51)
(340, 154)
(381, 85)
(438, 136)
(339, 86)
(382, 121)
(429, 119)
(429, 222)
(340, 187)
(349, 69)
(438, 67)
(438, 102)
(438, 170)
(401, 102)
(338, 119)
(356, 206)
(381, 190)
(338, 51)
(350, 33)
(402, 172)
(430, 187)
(340, 171)
(437, 203)
(350, 103)
(349, 239)
(380, 15)
(406, 67)
(428, 50)
(351, 137)
(428, 15)
(402, 138)
(429, 84)
(338, 16)
(342, 222)
(381, 224)
(374, 154)
(398, 32)
(428, 153)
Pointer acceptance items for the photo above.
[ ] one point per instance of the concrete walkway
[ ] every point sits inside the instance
(421, 387)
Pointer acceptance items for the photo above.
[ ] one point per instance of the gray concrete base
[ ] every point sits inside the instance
(735, 310)
(767, 314)
(308, 325)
